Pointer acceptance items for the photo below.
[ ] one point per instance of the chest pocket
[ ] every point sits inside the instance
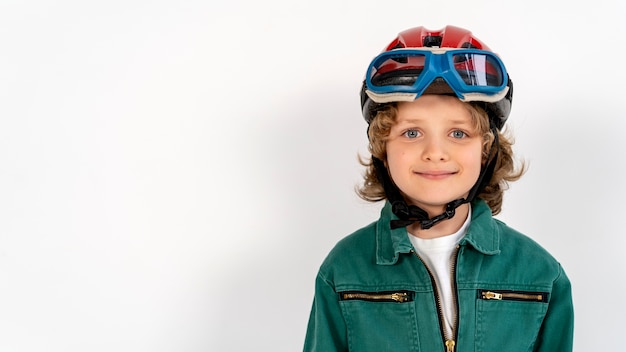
(509, 319)
(380, 321)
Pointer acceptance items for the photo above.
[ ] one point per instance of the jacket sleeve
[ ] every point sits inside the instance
(557, 330)
(326, 331)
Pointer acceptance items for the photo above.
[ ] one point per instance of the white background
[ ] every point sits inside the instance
(172, 173)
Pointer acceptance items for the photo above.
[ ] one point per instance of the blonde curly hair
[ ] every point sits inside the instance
(505, 170)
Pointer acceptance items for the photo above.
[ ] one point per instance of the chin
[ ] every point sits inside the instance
(433, 202)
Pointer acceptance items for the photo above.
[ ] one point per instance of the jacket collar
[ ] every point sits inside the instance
(483, 234)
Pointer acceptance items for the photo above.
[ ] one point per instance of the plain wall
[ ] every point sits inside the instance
(172, 173)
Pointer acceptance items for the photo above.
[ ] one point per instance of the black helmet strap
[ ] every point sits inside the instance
(409, 214)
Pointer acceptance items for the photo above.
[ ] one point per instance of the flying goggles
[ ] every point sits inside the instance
(405, 74)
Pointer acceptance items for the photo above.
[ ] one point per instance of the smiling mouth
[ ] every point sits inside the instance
(436, 175)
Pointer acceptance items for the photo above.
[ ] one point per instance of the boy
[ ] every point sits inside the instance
(437, 272)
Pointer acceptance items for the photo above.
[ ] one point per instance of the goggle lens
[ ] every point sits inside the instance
(478, 69)
(401, 70)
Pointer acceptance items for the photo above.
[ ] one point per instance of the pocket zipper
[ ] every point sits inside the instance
(391, 296)
(514, 296)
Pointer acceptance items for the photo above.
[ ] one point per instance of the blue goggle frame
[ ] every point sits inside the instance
(490, 79)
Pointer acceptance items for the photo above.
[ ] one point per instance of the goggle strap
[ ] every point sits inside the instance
(484, 97)
(390, 97)
(382, 98)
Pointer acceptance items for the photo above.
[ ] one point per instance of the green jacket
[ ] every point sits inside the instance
(373, 293)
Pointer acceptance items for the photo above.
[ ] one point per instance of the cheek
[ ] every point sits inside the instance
(474, 159)
(396, 162)
(393, 155)
(393, 163)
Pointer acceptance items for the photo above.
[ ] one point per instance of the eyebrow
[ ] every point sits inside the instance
(410, 120)
(461, 122)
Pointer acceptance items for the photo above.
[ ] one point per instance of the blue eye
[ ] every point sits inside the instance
(458, 134)
(411, 133)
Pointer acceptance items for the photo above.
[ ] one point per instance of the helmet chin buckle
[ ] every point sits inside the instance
(409, 214)
(448, 214)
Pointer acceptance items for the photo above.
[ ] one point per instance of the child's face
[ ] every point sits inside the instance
(433, 151)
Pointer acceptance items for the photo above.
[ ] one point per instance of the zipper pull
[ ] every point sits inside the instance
(399, 297)
(450, 345)
(492, 295)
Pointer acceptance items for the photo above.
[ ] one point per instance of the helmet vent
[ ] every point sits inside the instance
(432, 41)
(400, 60)
(468, 45)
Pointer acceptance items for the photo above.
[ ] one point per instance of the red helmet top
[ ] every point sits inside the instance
(448, 37)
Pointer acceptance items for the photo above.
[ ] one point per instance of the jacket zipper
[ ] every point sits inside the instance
(514, 296)
(451, 344)
(399, 296)
(449, 341)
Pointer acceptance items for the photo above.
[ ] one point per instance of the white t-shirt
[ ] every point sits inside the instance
(437, 255)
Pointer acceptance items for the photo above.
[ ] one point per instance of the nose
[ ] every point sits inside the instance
(434, 150)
